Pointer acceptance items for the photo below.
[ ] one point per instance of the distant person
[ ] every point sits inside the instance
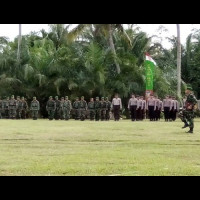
(35, 107)
(108, 108)
(83, 108)
(51, 107)
(132, 106)
(57, 111)
(13, 105)
(91, 108)
(117, 106)
(166, 107)
(150, 107)
(24, 107)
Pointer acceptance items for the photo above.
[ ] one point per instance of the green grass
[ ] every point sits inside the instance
(98, 148)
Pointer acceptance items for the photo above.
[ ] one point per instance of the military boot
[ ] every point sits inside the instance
(190, 131)
(186, 125)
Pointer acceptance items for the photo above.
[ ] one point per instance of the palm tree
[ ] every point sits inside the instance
(103, 29)
(19, 42)
(178, 61)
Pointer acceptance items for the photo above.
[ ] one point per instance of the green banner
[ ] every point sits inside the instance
(149, 74)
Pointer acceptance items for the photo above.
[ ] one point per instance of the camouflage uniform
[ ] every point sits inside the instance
(103, 109)
(51, 107)
(24, 108)
(57, 111)
(91, 107)
(6, 108)
(76, 107)
(108, 109)
(62, 108)
(97, 106)
(67, 107)
(1, 108)
(35, 107)
(188, 114)
(13, 106)
(83, 108)
(19, 108)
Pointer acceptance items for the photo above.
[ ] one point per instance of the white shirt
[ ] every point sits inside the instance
(132, 102)
(117, 102)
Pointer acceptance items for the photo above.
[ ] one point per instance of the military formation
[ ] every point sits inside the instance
(100, 109)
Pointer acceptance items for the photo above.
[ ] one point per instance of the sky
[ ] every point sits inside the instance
(11, 30)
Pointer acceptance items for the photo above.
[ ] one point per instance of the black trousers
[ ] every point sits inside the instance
(166, 113)
(116, 110)
(157, 114)
(151, 113)
(139, 114)
(133, 112)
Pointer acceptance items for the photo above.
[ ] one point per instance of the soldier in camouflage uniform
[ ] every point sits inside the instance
(91, 107)
(67, 106)
(62, 116)
(76, 107)
(51, 107)
(13, 106)
(19, 108)
(188, 113)
(83, 108)
(97, 109)
(6, 107)
(57, 111)
(24, 108)
(35, 107)
(108, 109)
(103, 109)
(1, 108)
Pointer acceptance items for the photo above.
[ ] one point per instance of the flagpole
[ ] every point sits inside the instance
(19, 42)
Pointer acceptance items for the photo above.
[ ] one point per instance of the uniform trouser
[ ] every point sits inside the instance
(151, 113)
(12, 113)
(57, 114)
(107, 115)
(188, 118)
(171, 113)
(157, 114)
(116, 110)
(18, 116)
(133, 112)
(0, 114)
(23, 114)
(143, 114)
(103, 114)
(51, 114)
(66, 113)
(7, 114)
(174, 115)
(35, 114)
(77, 114)
(166, 113)
(97, 114)
(82, 114)
(92, 114)
(139, 114)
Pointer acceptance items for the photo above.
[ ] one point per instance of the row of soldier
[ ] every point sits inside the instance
(152, 107)
(98, 109)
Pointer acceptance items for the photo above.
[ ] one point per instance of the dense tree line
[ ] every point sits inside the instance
(92, 60)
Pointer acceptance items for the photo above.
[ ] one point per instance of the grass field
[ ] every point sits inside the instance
(98, 148)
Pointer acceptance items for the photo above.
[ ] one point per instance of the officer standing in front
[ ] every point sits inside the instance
(116, 106)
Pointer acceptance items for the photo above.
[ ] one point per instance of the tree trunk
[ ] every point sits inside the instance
(112, 46)
(178, 61)
(19, 42)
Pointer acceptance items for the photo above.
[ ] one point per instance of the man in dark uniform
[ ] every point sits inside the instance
(91, 107)
(35, 107)
(97, 106)
(188, 113)
(51, 107)
(103, 109)
(6, 107)
(13, 105)
(1, 108)
(108, 108)
(57, 111)
(83, 108)
(76, 107)
(19, 108)
(24, 108)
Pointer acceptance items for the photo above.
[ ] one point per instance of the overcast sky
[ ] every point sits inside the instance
(11, 30)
